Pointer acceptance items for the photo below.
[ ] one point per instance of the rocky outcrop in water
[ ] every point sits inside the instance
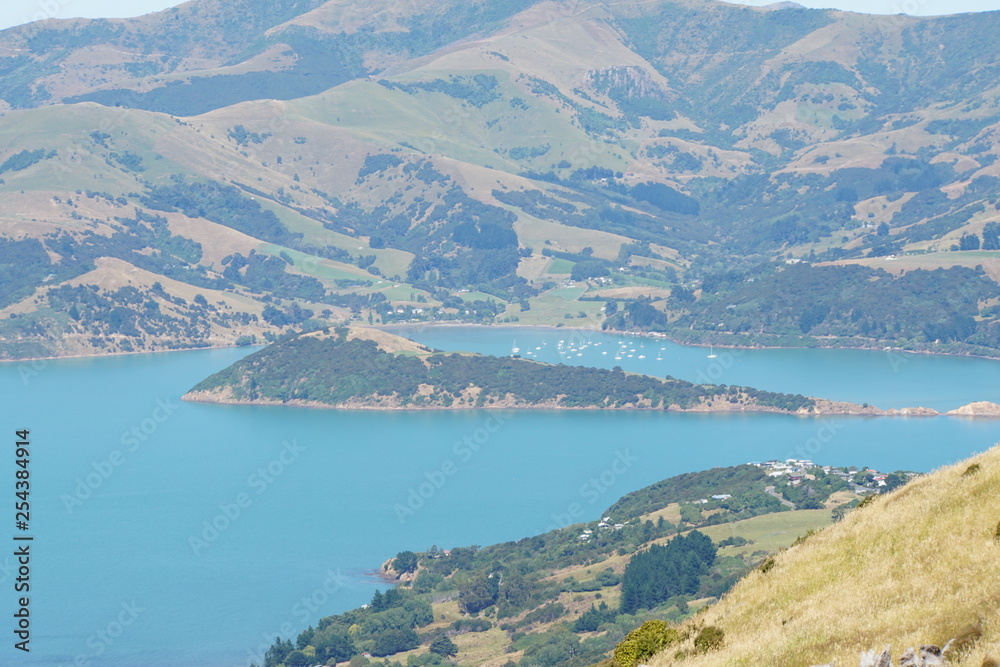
(977, 409)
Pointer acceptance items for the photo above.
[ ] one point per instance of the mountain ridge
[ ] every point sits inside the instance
(549, 160)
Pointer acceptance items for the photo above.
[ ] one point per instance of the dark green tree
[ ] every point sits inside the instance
(305, 638)
(653, 576)
(991, 236)
(338, 648)
(391, 642)
(515, 592)
(592, 619)
(969, 242)
(442, 645)
(478, 594)
(277, 652)
(405, 561)
(591, 268)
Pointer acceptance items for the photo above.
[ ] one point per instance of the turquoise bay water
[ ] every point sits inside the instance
(170, 534)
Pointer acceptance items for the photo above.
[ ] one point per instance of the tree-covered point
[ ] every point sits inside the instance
(507, 587)
(336, 371)
(405, 561)
(741, 482)
(520, 594)
(386, 626)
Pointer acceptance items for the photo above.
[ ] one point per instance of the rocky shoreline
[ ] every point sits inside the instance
(822, 408)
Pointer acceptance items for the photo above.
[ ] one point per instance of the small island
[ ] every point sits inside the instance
(363, 368)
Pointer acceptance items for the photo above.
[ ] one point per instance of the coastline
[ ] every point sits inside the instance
(126, 354)
(875, 347)
(824, 408)
(542, 327)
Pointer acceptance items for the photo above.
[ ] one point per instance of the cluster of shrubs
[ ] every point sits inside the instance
(653, 636)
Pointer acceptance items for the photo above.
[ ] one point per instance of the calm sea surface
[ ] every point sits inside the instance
(175, 534)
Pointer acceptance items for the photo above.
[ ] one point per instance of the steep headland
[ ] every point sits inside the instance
(915, 567)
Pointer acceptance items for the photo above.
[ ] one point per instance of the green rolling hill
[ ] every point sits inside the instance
(724, 174)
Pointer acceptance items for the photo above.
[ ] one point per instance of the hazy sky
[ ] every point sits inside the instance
(14, 12)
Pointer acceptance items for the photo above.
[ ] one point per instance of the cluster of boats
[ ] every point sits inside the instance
(623, 350)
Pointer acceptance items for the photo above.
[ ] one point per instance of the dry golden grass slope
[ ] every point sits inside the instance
(918, 566)
(387, 342)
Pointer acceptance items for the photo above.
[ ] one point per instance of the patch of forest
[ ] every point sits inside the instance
(335, 371)
(805, 302)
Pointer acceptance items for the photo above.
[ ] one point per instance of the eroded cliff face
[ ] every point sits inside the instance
(977, 409)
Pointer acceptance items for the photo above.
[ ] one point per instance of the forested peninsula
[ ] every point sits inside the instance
(367, 368)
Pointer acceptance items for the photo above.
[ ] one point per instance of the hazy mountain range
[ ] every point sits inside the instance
(225, 171)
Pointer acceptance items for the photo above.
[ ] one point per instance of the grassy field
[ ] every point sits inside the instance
(475, 648)
(560, 267)
(660, 264)
(390, 262)
(403, 293)
(375, 113)
(534, 233)
(534, 268)
(918, 566)
(988, 259)
(671, 513)
(633, 292)
(326, 270)
(76, 165)
(769, 532)
(550, 308)
(469, 297)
